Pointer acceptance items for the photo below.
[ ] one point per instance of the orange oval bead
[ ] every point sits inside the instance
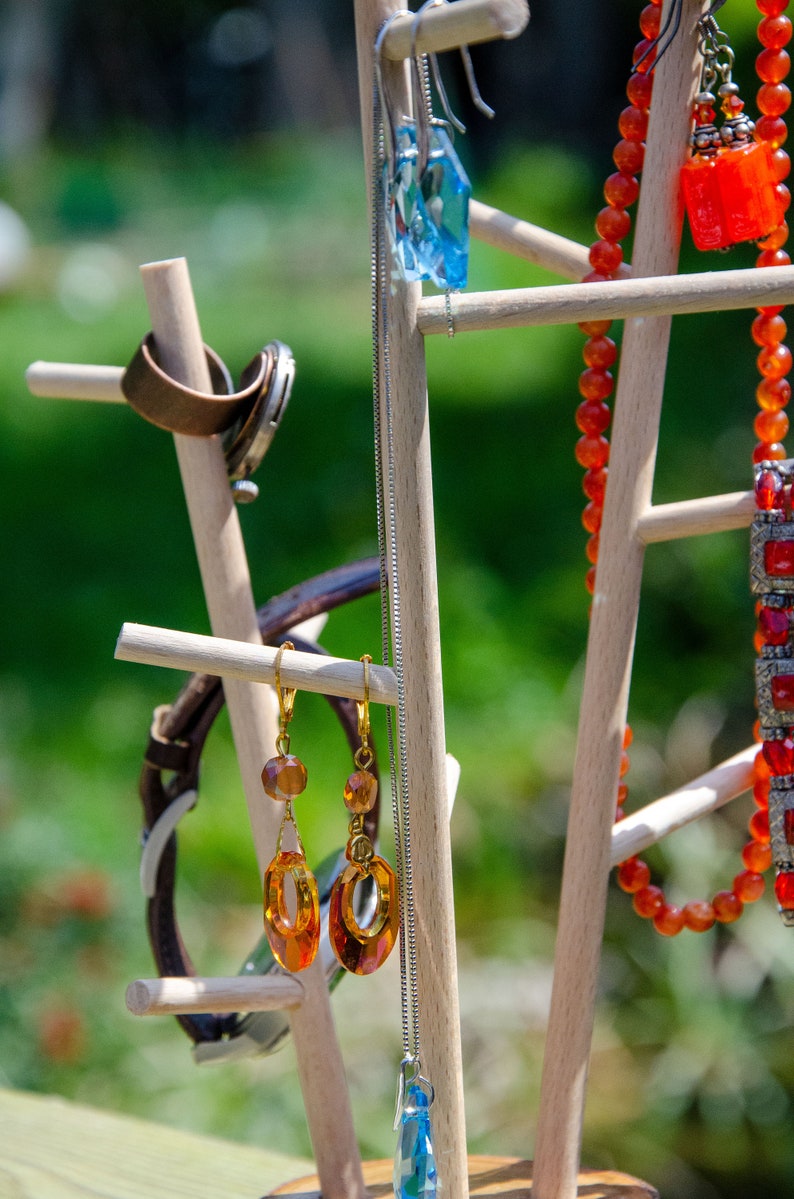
(591, 549)
(748, 886)
(781, 164)
(773, 258)
(612, 223)
(633, 123)
(621, 190)
(771, 129)
(650, 21)
(648, 901)
(628, 156)
(639, 89)
(589, 580)
(772, 452)
(669, 920)
(774, 240)
(757, 857)
(602, 351)
(592, 451)
(605, 256)
(774, 32)
(758, 825)
(633, 875)
(727, 907)
(594, 484)
(768, 330)
(774, 361)
(628, 736)
(774, 99)
(595, 384)
(699, 915)
(595, 328)
(772, 66)
(593, 416)
(773, 394)
(592, 515)
(771, 426)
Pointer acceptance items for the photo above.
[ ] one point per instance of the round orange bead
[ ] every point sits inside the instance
(699, 915)
(768, 330)
(612, 223)
(650, 21)
(628, 156)
(774, 361)
(774, 32)
(592, 452)
(648, 901)
(639, 89)
(771, 426)
(748, 886)
(633, 875)
(757, 857)
(727, 907)
(758, 825)
(592, 516)
(774, 99)
(621, 190)
(633, 123)
(772, 66)
(771, 129)
(595, 328)
(594, 484)
(773, 394)
(669, 920)
(596, 384)
(774, 240)
(601, 352)
(593, 417)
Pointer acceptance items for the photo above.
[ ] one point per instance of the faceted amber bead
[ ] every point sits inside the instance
(757, 857)
(284, 777)
(633, 123)
(774, 32)
(771, 426)
(628, 156)
(612, 223)
(768, 490)
(633, 875)
(784, 890)
(593, 417)
(748, 886)
(772, 66)
(361, 791)
(592, 452)
(600, 352)
(669, 920)
(621, 190)
(774, 99)
(768, 330)
(648, 901)
(595, 384)
(699, 915)
(727, 907)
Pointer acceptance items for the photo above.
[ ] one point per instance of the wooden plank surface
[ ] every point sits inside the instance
(53, 1149)
(488, 1176)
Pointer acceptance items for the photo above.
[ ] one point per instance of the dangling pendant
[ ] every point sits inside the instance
(415, 1173)
(427, 210)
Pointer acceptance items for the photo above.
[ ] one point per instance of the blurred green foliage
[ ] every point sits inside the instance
(691, 1080)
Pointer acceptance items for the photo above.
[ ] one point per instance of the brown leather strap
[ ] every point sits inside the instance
(170, 405)
(172, 760)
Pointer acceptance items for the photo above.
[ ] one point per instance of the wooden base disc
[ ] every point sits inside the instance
(505, 1176)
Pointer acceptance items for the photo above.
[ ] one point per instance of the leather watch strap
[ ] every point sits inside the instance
(170, 405)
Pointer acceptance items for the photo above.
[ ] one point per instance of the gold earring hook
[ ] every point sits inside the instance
(364, 755)
(286, 699)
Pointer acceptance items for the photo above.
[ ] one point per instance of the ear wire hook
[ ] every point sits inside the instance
(661, 44)
(286, 700)
(385, 107)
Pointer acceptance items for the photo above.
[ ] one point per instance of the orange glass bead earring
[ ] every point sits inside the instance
(730, 186)
(363, 950)
(293, 940)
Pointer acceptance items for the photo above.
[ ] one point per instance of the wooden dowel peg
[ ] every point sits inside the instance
(229, 659)
(227, 587)
(181, 996)
(448, 27)
(703, 795)
(71, 381)
(569, 303)
(532, 243)
(690, 518)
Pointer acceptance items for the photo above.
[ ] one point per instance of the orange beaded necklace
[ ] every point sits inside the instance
(771, 424)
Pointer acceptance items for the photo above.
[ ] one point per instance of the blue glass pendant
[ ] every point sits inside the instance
(428, 214)
(415, 1174)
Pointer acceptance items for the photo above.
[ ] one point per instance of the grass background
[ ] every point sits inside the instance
(691, 1081)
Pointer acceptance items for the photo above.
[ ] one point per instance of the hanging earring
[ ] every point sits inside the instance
(294, 941)
(363, 950)
(729, 184)
(426, 189)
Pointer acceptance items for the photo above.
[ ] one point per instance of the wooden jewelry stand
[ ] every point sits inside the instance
(647, 300)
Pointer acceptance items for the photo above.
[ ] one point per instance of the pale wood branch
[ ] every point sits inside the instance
(448, 27)
(690, 518)
(241, 993)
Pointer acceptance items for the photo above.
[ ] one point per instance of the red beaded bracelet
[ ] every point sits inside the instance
(771, 424)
